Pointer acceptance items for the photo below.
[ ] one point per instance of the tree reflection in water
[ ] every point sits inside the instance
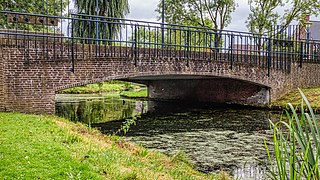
(92, 112)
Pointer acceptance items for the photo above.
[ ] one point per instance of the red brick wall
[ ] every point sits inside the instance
(2, 78)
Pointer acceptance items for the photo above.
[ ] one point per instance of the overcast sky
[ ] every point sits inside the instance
(145, 10)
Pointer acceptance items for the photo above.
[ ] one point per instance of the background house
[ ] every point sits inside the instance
(310, 33)
(244, 49)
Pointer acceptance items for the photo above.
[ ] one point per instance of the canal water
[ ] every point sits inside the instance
(214, 137)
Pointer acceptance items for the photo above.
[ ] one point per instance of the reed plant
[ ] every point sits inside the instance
(296, 147)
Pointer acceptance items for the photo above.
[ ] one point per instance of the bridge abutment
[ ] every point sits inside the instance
(215, 90)
(25, 87)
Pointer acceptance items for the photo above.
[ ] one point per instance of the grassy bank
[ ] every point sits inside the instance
(105, 87)
(47, 147)
(135, 94)
(294, 97)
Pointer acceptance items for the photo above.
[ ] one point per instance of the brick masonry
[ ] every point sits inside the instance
(2, 82)
(29, 80)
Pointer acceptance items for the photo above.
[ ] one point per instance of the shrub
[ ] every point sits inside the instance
(296, 145)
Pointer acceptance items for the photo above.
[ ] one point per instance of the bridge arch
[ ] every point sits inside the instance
(141, 78)
(200, 87)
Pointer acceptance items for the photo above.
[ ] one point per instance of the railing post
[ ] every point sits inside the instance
(231, 49)
(162, 28)
(216, 41)
(301, 54)
(188, 45)
(134, 45)
(162, 39)
(269, 57)
(97, 24)
(216, 44)
(72, 45)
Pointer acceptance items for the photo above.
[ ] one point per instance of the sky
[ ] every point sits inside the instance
(145, 10)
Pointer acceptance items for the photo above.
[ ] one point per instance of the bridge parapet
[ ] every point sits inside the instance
(35, 65)
(139, 38)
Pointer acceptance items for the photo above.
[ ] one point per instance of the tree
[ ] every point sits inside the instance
(214, 14)
(176, 38)
(44, 7)
(299, 9)
(109, 9)
(263, 15)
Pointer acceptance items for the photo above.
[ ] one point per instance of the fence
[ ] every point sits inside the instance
(86, 36)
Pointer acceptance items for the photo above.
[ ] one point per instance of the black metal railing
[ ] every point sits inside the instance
(76, 36)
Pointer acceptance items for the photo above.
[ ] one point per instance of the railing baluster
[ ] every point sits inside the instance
(136, 39)
(72, 47)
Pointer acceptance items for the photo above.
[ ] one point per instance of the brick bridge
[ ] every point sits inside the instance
(33, 67)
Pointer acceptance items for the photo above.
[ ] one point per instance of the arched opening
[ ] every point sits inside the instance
(213, 89)
(115, 99)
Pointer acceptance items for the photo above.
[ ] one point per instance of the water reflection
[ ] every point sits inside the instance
(214, 138)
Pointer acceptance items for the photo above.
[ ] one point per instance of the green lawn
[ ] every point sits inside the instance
(135, 94)
(48, 147)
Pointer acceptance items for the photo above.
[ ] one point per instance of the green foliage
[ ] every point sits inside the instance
(176, 38)
(264, 13)
(130, 176)
(127, 124)
(299, 9)
(127, 86)
(182, 157)
(135, 94)
(72, 138)
(146, 37)
(144, 153)
(296, 146)
(100, 85)
(205, 13)
(107, 30)
(44, 7)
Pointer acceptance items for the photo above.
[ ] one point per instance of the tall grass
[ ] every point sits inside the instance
(296, 145)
